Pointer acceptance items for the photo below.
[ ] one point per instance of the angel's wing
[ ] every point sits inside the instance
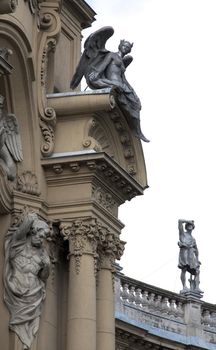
(13, 140)
(93, 44)
(127, 60)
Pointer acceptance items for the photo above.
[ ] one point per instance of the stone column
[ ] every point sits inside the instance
(81, 320)
(110, 248)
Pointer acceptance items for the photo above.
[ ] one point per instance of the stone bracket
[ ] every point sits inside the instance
(98, 164)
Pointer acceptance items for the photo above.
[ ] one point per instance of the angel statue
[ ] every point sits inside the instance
(104, 69)
(10, 142)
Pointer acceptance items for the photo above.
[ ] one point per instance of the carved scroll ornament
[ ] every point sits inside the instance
(26, 271)
(7, 6)
(49, 25)
(33, 5)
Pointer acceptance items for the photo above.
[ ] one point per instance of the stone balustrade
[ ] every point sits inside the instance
(185, 318)
(208, 318)
(154, 302)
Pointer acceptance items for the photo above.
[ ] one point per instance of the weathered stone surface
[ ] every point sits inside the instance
(26, 271)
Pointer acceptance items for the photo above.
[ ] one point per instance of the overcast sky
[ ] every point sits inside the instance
(174, 74)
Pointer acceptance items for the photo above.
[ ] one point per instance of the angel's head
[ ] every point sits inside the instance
(125, 47)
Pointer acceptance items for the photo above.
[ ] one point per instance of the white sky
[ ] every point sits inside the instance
(174, 74)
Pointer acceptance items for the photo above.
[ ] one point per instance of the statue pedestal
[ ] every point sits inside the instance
(193, 314)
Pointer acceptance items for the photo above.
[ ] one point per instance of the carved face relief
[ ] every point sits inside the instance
(37, 238)
(39, 231)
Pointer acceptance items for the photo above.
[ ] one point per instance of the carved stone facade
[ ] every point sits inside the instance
(69, 159)
(79, 162)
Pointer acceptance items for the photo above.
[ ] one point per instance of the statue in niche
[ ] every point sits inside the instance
(188, 257)
(27, 267)
(104, 69)
(10, 142)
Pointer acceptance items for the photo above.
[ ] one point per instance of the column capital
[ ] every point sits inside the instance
(89, 236)
(110, 248)
(82, 236)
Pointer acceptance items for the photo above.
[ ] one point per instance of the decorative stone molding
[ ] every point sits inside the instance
(101, 127)
(110, 244)
(7, 6)
(33, 5)
(126, 142)
(126, 340)
(47, 124)
(49, 25)
(82, 235)
(89, 236)
(99, 164)
(55, 246)
(27, 183)
(96, 137)
(105, 199)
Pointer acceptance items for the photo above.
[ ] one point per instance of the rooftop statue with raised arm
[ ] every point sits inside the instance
(104, 69)
(188, 256)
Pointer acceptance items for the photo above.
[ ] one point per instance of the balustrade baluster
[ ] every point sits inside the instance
(164, 305)
(138, 297)
(125, 293)
(213, 319)
(172, 308)
(151, 301)
(158, 304)
(179, 309)
(145, 300)
(131, 294)
(206, 318)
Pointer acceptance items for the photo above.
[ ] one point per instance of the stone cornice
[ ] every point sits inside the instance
(84, 11)
(128, 336)
(65, 167)
(73, 103)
